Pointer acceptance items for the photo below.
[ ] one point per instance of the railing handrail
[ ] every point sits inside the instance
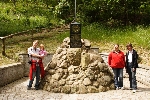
(32, 31)
(18, 33)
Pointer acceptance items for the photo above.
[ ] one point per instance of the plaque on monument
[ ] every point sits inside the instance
(75, 35)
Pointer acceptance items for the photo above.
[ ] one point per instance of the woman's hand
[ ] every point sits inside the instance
(133, 69)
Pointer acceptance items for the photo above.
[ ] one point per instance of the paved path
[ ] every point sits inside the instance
(17, 91)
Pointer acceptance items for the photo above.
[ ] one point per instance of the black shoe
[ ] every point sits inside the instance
(28, 87)
(36, 88)
(122, 88)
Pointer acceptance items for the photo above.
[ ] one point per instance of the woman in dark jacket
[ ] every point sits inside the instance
(131, 65)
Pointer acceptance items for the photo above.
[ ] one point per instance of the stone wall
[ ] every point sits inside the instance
(142, 74)
(10, 73)
(24, 60)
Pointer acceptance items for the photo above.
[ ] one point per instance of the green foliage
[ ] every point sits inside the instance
(23, 15)
(19, 15)
(62, 11)
(38, 21)
(108, 12)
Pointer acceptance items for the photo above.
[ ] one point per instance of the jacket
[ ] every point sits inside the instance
(134, 59)
(33, 68)
(116, 59)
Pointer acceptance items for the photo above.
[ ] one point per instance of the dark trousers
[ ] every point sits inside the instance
(118, 77)
(132, 77)
(37, 75)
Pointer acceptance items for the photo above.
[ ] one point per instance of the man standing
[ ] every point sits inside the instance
(131, 65)
(116, 60)
(34, 68)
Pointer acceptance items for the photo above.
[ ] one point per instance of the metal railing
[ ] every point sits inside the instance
(31, 32)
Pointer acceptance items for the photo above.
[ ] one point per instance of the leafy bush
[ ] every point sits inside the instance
(23, 16)
(63, 11)
(38, 21)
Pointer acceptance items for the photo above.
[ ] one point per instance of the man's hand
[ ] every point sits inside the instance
(41, 57)
(37, 56)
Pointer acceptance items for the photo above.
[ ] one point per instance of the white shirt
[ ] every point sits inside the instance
(31, 51)
(130, 56)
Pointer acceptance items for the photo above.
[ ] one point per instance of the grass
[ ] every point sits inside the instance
(138, 35)
(100, 36)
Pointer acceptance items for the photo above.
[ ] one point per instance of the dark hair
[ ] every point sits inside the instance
(129, 45)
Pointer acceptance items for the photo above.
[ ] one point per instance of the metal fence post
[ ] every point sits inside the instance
(3, 47)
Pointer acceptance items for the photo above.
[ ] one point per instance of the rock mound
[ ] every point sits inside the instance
(77, 70)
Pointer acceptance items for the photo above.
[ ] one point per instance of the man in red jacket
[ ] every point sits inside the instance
(116, 61)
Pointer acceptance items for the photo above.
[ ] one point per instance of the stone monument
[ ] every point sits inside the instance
(77, 70)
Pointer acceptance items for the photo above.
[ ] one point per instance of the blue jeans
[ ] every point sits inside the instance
(118, 77)
(37, 75)
(132, 77)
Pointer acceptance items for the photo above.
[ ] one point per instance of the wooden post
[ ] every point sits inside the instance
(3, 47)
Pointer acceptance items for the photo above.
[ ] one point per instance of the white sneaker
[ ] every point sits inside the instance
(117, 88)
(134, 91)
